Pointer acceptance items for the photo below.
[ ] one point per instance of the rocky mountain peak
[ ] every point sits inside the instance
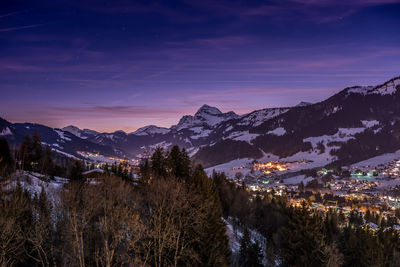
(206, 109)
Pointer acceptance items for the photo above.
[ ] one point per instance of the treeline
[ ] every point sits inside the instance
(32, 156)
(121, 169)
(172, 217)
(306, 237)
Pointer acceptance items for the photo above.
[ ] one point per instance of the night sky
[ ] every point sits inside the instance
(109, 65)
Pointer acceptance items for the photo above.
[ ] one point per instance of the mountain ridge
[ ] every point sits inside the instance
(213, 137)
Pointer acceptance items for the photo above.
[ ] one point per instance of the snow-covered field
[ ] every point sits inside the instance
(382, 159)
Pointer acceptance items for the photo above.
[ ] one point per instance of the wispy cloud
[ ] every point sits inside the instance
(12, 13)
(115, 111)
(12, 29)
(319, 11)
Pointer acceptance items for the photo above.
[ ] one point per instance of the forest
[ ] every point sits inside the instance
(173, 215)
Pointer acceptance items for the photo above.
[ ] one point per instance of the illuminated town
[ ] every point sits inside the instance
(354, 188)
(98, 158)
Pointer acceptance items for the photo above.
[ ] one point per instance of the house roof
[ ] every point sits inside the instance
(93, 171)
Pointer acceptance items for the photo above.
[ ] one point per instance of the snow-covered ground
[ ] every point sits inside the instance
(6, 131)
(384, 183)
(259, 116)
(375, 161)
(297, 180)
(62, 135)
(242, 136)
(228, 168)
(202, 134)
(342, 135)
(235, 237)
(278, 131)
(386, 89)
(64, 153)
(35, 182)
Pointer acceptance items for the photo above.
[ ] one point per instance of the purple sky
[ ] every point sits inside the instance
(109, 65)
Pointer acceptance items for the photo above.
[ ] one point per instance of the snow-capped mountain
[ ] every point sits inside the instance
(206, 116)
(151, 130)
(352, 125)
(303, 104)
(60, 141)
(84, 134)
(191, 132)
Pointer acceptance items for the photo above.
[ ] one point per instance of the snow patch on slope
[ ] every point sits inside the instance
(256, 118)
(62, 135)
(370, 123)
(202, 134)
(363, 90)
(342, 135)
(64, 153)
(6, 131)
(35, 182)
(242, 136)
(382, 159)
(388, 88)
(278, 131)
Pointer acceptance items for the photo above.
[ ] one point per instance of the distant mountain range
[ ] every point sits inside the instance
(352, 125)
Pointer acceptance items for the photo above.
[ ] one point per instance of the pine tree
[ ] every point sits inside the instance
(245, 245)
(213, 246)
(250, 254)
(76, 171)
(305, 240)
(25, 153)
(362, 248)
(331, 225)
(158, 163)
(36, 148)
(46, 162)
(6, 161)
(178, 163)
(145, 170)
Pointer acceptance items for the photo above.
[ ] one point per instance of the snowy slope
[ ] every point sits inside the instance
(151, 130)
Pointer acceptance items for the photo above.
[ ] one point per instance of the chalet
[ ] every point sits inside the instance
(95, 173)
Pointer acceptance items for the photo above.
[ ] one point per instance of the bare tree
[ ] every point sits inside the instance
(39, 236)
(174, 216)
(119, 224)
(78, 205)
(38, 241)
(11, 240)
(13, 206)
(334, 258)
